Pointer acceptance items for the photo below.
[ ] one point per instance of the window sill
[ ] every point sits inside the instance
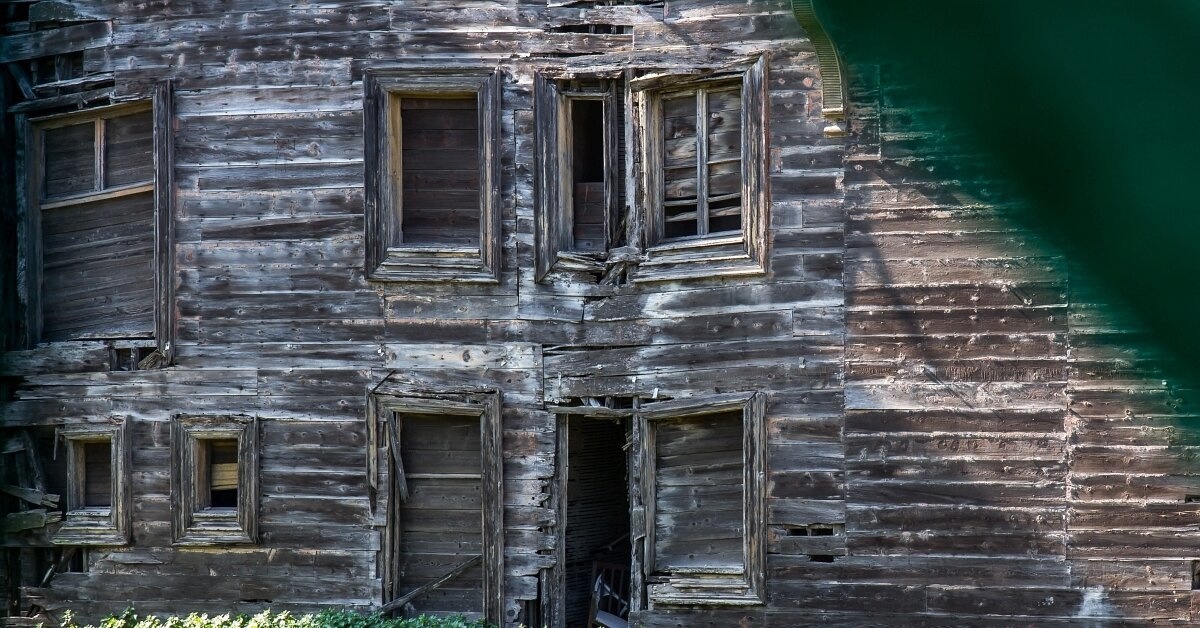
(89, 526)
(698, 258)
(434, 264)
(212, 527)
(704, 591)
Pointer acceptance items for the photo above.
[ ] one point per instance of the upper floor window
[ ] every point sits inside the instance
(95, 248)
(580, 176)
(432, 179)
(703, 186)
(93, 186)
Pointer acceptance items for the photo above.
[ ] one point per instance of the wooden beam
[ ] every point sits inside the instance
(426, 588)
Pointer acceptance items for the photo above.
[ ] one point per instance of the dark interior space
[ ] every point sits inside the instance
(587, 174)
(597, 533)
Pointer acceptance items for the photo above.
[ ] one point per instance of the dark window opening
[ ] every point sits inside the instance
(62, 67)
(597, 521)
(222, 485)
(588, 177)
(820, 558)
(128, 359)
(439, 196)
(97, 474)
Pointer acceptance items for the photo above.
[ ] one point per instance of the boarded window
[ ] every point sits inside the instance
(699, 492)
(95, 195)
(432, 179)
(702, 460)
(441, 479)
(97, 474)
(702, 162)
(440, 164)
(440, 521)
(704, 179)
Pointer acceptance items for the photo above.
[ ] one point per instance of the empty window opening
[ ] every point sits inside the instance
(97, 474)
(702, 162)
(815, 530)
(440, 526)
(221, 457)
(597, 521)
(440, 164)
(588, 176)
(128, 358)
(592, 29)
(62, 67)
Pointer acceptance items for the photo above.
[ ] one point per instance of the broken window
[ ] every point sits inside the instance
(580, 183)
(97, 484)
(701, 487)
(432, 175)
(95, 254)
(444, 533)
(703, 150)
(214, 479)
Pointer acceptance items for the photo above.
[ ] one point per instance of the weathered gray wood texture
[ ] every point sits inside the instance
(980, 440)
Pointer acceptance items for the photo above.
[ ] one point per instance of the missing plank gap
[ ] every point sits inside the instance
(826, 558)
(814, 530)
(1191, 499)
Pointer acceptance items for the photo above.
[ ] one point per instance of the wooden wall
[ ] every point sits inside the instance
(978, 438)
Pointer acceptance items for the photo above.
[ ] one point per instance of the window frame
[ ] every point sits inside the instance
(698, 587)
(96, 525)
(30, 205)
(553, 205)
(196, 526)
(703, 256)
(387, 257)
(383, 405)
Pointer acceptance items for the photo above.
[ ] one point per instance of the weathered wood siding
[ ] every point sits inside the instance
(954, 433)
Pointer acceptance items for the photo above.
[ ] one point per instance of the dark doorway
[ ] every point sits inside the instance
(596, 540)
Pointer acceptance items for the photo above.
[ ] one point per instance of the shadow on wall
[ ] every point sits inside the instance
(1082, 108)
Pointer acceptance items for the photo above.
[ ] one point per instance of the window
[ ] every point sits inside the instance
(95, 254)
(580, 187)
(432, 177)
(214, 479)
(98, 510)
(703, 191)
(700, 473)
(444, 526)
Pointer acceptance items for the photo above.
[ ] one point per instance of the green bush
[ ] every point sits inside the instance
(267, 619)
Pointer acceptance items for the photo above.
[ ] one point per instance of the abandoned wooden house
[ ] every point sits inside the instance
(554, 312)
